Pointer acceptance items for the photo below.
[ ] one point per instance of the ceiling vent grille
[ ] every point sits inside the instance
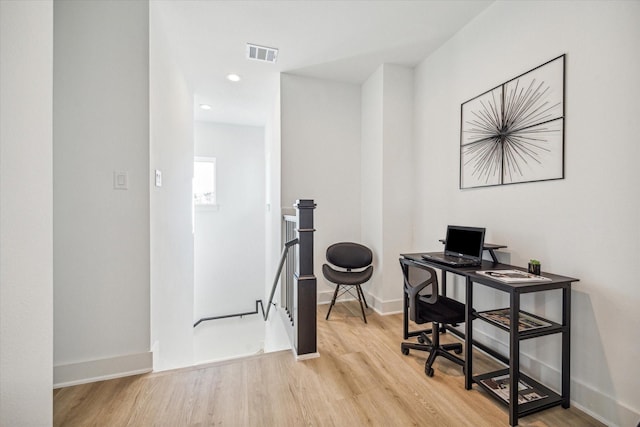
(261, 53)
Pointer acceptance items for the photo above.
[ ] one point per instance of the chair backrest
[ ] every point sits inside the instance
(417, 278)
(349, 255)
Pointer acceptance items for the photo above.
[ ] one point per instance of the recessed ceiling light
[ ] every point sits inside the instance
(205, 106)
(233, 77)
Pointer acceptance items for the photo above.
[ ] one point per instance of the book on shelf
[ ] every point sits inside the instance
(500, 386)
(526, 322)
(512, 276)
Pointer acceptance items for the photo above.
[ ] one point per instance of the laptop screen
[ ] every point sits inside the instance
(464, 241)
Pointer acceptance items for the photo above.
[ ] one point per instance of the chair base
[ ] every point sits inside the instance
(434, 348)
(361, 299)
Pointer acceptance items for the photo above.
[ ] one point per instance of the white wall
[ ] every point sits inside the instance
(101, 235)
(398, 174)
(26, 230)
(276, 336)
(320, 133)
(229, 242)
(372, 173)
(387, 114)
(585, 225)
(273, 213)
(349, 148)
(171, 152)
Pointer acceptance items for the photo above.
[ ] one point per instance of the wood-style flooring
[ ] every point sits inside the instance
(360, 379)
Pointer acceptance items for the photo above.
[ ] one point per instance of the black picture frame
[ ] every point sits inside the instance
(514, 133)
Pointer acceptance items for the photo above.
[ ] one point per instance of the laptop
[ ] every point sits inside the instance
(462, 248)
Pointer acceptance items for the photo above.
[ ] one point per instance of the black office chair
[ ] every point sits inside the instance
(426, 305)
(348, 256)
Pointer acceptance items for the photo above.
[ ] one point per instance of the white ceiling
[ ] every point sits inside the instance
(337, 40)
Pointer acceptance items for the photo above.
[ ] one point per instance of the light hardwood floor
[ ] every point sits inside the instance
(361, 378)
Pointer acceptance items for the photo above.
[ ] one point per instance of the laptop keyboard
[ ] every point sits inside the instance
(450, 260)
(458, 260)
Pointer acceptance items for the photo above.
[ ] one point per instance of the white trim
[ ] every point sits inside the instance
(306, 356)
(102, 369)
(324, 297)
(383, 308)
(230, 358)
(207, 207)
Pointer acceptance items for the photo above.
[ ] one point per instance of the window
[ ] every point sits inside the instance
(204, 181)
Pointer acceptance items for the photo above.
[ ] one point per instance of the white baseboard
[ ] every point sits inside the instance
(602, 407)
(324, 297)
(102, 369)
(384, 308)
(381, 307)
(305, 356)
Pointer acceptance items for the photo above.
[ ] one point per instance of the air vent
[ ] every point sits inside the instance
(262, 53)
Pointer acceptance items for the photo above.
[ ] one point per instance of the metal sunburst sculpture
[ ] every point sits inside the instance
(514, 133)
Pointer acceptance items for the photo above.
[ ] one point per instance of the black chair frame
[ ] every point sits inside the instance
(433, 308)
(347, 289)
(348, 256)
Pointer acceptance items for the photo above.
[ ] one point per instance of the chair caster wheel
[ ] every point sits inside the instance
(405, 351)
(458, 351)
(428, 370)
(420, 339)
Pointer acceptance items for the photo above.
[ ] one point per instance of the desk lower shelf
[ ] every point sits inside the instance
(525, 407)
(531, 326)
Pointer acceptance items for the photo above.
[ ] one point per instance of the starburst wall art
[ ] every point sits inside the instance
(515, 132)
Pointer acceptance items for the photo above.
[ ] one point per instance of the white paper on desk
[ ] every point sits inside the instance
(512, 276)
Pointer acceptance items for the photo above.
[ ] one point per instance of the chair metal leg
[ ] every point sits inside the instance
(423, 338)
(360, 298)
(451, 357)
(363, 298)
(457, 347)
(333, 301)
(434, 348)
(405, 346)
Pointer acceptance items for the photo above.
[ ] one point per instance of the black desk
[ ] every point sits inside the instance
(515, 290)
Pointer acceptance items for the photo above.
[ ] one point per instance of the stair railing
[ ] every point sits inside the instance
(299, 291)
(265, 315)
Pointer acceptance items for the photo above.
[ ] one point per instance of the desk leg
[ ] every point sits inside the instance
(443, 282)
(406, 315)
(566, 347)
(514, 358)
(443, 291)
(468, 335)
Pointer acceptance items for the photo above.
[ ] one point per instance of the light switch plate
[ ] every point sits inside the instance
(120, 180)
(158, 178)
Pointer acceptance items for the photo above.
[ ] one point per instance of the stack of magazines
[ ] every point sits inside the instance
(500, 386)
(526, 322)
